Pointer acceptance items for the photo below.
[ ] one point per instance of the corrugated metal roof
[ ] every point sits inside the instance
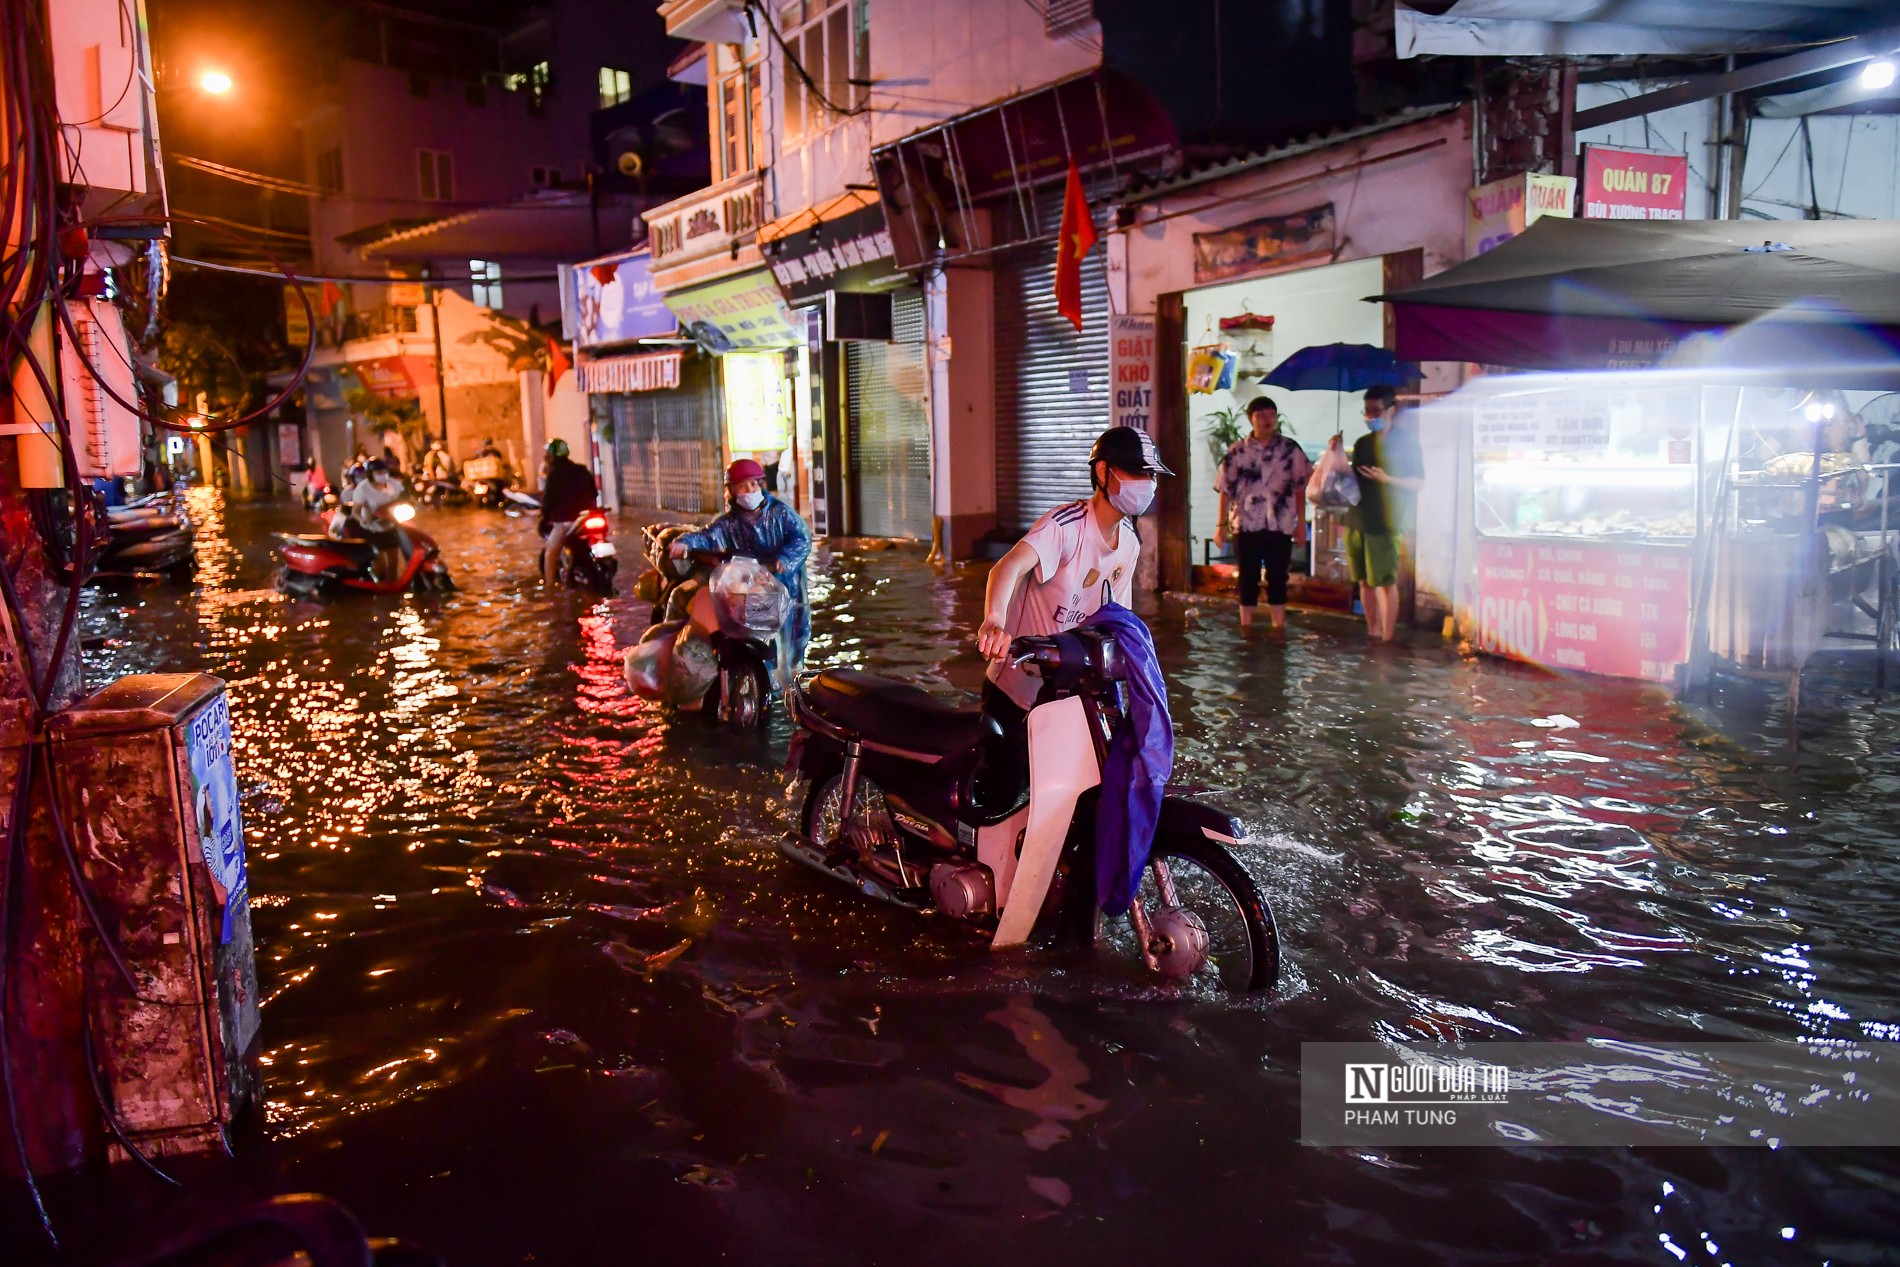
(1218, 169)
(1624, 28)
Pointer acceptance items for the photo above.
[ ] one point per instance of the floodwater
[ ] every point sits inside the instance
(539, 988)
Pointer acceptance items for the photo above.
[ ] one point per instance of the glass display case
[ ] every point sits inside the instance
(1582, 463)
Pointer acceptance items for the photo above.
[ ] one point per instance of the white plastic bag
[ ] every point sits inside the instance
(1333, 485)
(648, 664)
(749, 598)
(691, 671)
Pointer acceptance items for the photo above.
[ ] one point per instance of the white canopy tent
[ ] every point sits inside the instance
(1626, 28)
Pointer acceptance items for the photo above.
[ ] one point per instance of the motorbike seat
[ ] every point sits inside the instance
(350, 548)
(897, 714)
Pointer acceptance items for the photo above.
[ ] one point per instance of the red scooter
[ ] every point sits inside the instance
(319, 566)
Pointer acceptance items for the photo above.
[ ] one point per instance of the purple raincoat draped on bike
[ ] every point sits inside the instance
(1140, 760)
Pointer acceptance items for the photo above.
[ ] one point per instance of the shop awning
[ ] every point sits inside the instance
(843, 244)
(1593, 294)
(395, 375)
(932, 181)
(1559, 28)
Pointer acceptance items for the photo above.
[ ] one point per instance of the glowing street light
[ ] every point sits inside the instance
(1877, 75)
(215, 82)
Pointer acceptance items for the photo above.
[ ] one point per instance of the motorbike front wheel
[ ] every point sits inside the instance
(1213, 896)
(739, 696)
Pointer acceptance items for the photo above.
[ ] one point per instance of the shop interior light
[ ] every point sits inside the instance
(1581, 475)
(215, 82)
(1877, 75)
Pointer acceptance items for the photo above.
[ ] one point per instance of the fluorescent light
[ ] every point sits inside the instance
(1877, 75)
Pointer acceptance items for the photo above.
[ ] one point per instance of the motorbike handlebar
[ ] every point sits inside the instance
(1042, 651)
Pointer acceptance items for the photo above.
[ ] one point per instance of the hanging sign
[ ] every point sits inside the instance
(1501, 210)
(652, 372)
(738, 314)
(850, 251)
(1634, 184)
(289, 444)
(614, 301)
(1131, 370)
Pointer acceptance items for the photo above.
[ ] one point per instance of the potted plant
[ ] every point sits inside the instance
(1224, 429)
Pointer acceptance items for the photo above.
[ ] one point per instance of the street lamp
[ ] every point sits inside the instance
(1877, 75)
(215, 82)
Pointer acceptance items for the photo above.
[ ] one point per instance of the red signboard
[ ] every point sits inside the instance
(395, 375)
(1634, 184)
(1617, 610)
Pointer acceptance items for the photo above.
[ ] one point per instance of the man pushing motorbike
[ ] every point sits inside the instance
(761, 526)
(1071, 561)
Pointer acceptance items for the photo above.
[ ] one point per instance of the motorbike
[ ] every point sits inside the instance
(748, 661)
(587, 556)
(150, 534)
(915, 801)
(321, 566)
(444, 492)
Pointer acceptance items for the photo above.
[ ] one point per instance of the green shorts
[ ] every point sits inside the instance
(1373, 557)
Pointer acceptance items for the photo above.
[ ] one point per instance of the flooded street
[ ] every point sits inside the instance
(540, 988)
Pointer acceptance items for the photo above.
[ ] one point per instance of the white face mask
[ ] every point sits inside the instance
(750, 501)
(1132, 497)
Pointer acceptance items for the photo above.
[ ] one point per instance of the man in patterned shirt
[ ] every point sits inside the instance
(1262, 487)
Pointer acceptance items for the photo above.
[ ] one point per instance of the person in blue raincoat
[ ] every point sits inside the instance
(761, 526)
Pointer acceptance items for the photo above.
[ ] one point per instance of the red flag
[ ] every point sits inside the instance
(558, 364)
(1077, 236)
(328, 298)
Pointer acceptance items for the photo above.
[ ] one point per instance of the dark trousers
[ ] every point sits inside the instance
(1275, 550)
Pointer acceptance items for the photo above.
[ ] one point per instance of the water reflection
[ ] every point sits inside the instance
(529, 952)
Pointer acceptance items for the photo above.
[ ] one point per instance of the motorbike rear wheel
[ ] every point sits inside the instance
(1243, 945)
(740, 696)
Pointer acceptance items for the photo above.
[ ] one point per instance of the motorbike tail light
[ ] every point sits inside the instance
(594, 521)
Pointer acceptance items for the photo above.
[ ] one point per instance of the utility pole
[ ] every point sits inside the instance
(441, 370)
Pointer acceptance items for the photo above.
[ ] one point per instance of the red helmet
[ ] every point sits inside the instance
(744, 469)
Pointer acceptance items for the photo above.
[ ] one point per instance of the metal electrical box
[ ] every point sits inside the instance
(148, 789)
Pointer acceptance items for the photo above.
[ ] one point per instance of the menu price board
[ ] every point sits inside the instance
(1615, 610)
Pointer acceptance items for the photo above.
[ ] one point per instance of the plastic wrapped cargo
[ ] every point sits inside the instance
(750, 599)
(648, 664)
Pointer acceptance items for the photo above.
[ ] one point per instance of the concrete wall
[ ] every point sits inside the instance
(932, 61)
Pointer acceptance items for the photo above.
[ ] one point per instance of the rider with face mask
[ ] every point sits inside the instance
(762, 527)
(364, 513)
(1074, 559)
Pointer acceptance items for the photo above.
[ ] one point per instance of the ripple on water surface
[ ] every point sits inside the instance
(538, 986)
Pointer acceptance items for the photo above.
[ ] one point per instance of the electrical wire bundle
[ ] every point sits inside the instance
(47, 247)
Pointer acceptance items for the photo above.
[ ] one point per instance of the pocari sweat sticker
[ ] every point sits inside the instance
(215, 806)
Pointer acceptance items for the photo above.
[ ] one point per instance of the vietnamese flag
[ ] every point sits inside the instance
(328, 298)
(1077, 236)
(558, 364)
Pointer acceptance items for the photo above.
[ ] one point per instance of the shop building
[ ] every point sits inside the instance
(1262, 256)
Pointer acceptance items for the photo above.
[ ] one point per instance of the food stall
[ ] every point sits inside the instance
(1696, 489)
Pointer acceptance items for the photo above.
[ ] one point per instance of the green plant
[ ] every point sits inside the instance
(1224, 429)
(400, 414)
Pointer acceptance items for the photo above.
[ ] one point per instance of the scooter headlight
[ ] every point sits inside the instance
(402, 512)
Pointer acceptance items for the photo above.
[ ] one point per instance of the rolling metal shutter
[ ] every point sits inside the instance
(889, 424)
(1051, 383)
(667, 444)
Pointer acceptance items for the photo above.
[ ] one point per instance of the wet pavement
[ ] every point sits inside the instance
(540, 988)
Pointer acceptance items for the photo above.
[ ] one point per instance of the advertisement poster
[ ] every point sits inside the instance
(289, 444)
(214, 805)
(1634, 184)
(739, 314)
(1270, 240)
(614, 302)
(1617, 610)
(1501, 210)
(1131, 370)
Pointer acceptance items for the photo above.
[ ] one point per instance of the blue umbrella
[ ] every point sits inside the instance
(1342, 367)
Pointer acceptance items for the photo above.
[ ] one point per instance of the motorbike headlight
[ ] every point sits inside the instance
(402, 512)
